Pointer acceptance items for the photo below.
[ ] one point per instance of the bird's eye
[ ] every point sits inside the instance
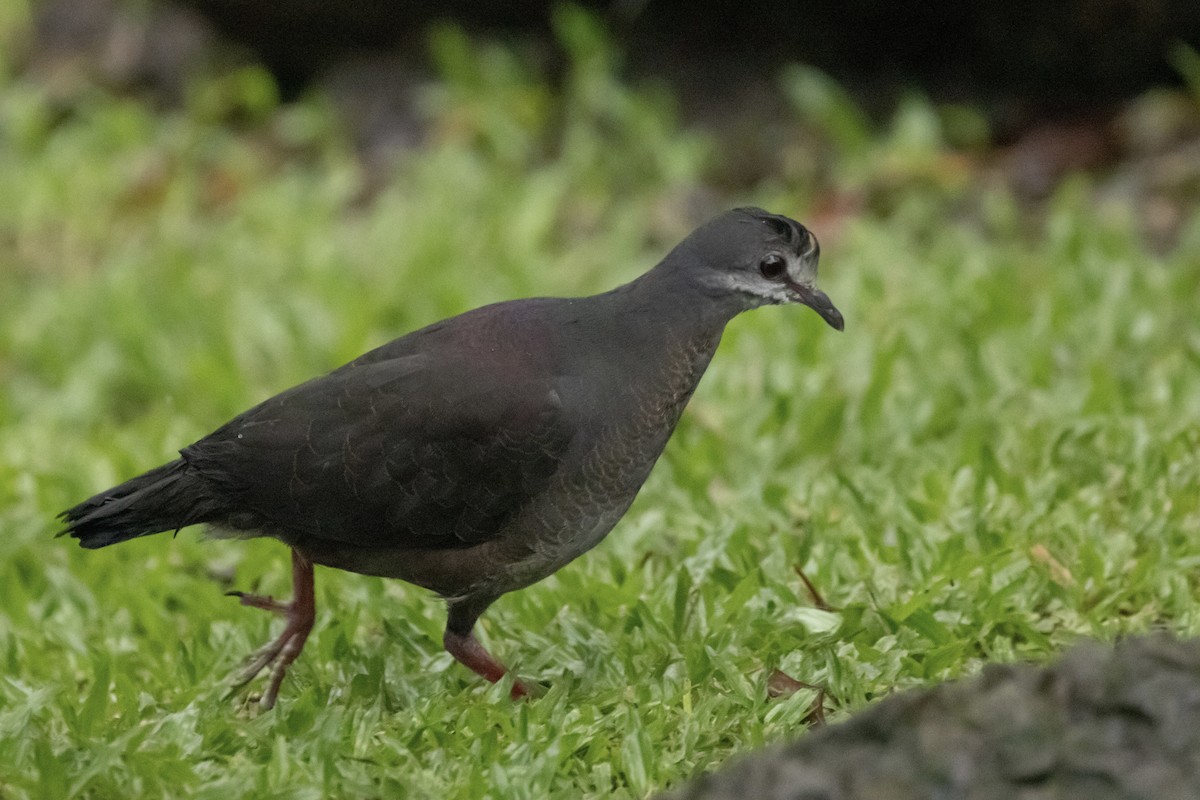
(773, 267)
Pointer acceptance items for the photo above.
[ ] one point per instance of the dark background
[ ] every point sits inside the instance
(1020, 57)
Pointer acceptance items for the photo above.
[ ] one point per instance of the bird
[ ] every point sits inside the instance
(475, 456)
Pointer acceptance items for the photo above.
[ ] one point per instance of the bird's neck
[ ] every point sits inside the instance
(673, 327)
(682, 307)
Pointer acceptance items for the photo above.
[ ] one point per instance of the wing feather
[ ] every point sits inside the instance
(390, 453)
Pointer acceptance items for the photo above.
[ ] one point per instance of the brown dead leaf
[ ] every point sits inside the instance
(1058, 572)
(780, 684)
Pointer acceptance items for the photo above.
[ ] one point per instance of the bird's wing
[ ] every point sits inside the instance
(401, 452)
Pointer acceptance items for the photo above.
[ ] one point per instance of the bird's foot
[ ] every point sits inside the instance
(467, 650)
(279, 654)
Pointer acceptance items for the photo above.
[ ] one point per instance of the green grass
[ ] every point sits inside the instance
(999, 456)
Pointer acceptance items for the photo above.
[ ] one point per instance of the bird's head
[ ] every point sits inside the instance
(760, 258)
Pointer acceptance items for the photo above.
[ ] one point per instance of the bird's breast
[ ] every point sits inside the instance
(615, 455)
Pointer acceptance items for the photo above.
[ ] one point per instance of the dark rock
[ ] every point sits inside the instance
(1104, 723)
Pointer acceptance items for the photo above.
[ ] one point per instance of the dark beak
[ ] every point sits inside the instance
(819, 302)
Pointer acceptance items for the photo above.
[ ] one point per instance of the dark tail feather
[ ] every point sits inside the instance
(163, 499)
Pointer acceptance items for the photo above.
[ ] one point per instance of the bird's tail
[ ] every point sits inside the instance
(169, 497)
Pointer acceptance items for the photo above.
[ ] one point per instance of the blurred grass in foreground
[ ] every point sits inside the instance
(1001, 454)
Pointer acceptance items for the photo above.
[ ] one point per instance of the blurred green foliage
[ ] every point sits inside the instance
(1001, 454)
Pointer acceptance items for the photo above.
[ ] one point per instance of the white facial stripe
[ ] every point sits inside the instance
(753, 285)
(759, 290)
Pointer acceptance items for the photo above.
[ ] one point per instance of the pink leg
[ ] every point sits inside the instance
(301, 613)
(470, 653)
